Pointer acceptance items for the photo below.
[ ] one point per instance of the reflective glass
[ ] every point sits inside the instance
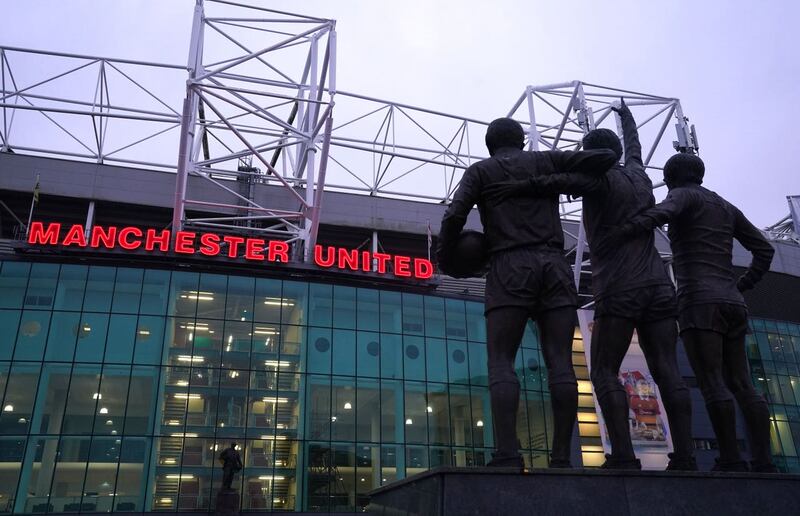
(13, 283)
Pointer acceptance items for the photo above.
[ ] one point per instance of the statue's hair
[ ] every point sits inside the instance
(684, 168)
(603, 139)
(504, 132)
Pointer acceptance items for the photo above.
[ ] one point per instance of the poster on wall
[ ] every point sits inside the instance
(647, 418)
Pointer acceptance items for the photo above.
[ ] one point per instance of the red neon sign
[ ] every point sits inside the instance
(131, 238)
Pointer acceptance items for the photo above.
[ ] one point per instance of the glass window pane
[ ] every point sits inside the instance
(478, 372)
(268, 300)
(481, 418)
(33, 328)
(183, 294)
(455, 319)
(343, 405)
(121, 337)
(109, 418)
(52, 396)
(70, 472)
(71, 284)
(13, 282)
(211, 296)
(127, 290)
(438, 409)
(238, 340)
(391, 312)
(99, 289)
(155, 292)
(12, 450)
(457, 361)
(391, 356)
(101, 474)
(133, 463)
(295, 302)
(319, 350)
(416, 413)
(19, 399)
(318, 403)
(368, 354)
(149, 340)
(413, 319)
(434, 316)
(239, 306)
(9, 321)
(84, 400)
(461, 422)
(41, 454)
(42, 286)
(141, 401)
(392, 422)
(64, 331)
(476, 322)
(344, 352)
(320, 305)
(92, 333)
(368, 411)
(207, 336)
(344, 307)
(368, 302)
(414, 358)
(436, 358)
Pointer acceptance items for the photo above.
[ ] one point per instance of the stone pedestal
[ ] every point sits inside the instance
(489, 491)
(227, 502)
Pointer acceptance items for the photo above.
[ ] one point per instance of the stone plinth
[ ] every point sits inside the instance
(488, 491)
(227, 502)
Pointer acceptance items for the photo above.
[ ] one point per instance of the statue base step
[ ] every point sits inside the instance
(227, 502)
(450, 491)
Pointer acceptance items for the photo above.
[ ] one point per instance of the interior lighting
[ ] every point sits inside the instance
(185, 396)
(104, 410)
(189, 358)
(409, 421)
(97, 396)
(277, 363)
(180, 477)
(479, 423)
(348, 406)
(276, 301)
(198, 295)
(8, 408)
(430, 409)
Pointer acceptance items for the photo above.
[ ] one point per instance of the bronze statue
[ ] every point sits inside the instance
(631, 289)
(231, 464)
(712, 311)
(529, 277)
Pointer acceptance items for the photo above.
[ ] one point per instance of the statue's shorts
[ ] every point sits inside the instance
(537, 278)
(643, 305)
(727, 319)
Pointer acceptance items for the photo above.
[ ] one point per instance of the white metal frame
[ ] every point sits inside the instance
(252, 118)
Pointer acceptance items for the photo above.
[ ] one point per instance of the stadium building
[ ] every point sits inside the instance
(151, 317)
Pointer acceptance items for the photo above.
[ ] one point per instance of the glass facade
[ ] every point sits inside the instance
(120, 386)
(774, 352)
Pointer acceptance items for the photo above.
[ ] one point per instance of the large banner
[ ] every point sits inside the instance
(646, 416)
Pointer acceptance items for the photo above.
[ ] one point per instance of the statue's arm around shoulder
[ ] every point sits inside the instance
(755, 242)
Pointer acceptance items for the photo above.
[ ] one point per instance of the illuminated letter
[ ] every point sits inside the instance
(233, 245)
(108, 236)
(423, 269)
(365, 265)
(348, 259)
(209, 244)
(123, 238)
(324, 262)
(38, 235)
(75, 235)
(278, 248)
(151, 239)
(253, 249)
(382, 259)
(401, 266)
(184, 242)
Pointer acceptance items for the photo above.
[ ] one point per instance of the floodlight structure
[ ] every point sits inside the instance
(251, 116)
(559, 115)
(269, 115)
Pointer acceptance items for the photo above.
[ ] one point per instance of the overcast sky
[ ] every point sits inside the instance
(735, 65)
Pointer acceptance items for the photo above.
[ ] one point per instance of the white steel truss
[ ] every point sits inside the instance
(253, 107)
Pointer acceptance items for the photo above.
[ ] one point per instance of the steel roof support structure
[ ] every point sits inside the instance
(258, 113)
(557, 116)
